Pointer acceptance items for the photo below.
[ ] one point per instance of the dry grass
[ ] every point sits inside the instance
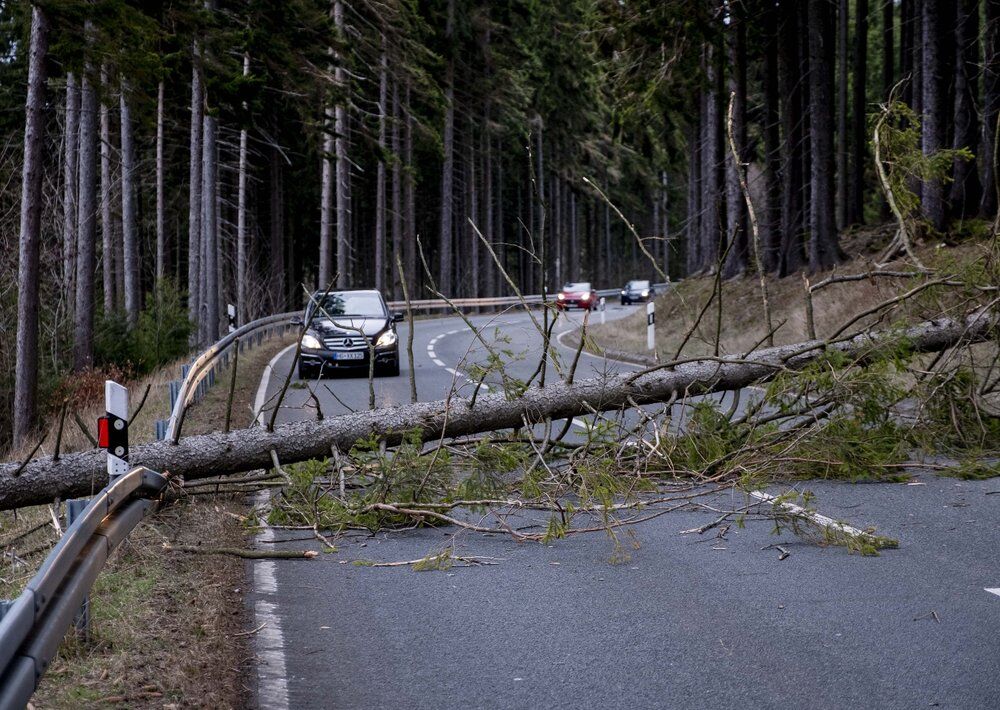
(165, 627)
(742, 313)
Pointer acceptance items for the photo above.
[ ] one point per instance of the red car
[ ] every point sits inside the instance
(577, 295)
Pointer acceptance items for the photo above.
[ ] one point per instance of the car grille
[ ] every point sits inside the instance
(345, 342)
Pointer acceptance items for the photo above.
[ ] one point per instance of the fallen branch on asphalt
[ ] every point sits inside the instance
(219, 454)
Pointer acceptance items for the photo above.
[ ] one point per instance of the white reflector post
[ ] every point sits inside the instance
(116, 405)
(603, 307)
(650, 326)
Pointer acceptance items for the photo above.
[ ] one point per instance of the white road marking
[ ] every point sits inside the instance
(993, 590)
(265, 380)
(269, 643)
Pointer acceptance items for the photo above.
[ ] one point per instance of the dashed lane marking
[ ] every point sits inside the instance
(993, 590)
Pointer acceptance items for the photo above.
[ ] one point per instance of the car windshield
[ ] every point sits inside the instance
(635, 285)
(349, 303)
(582, 286)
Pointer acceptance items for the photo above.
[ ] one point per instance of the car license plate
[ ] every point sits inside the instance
(349, 356)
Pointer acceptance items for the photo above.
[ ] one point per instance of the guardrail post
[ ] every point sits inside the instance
(650, 326)
(74, 508)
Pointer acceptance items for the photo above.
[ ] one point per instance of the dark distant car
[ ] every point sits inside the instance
(577, 295)
(343, 325)
(637, 292)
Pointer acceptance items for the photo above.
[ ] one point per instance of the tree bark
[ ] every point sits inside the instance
(343, 168)
(130, 237)
(108, 251)
(859, 139)
(791, 254)
(736, 211)
(194, 190)
(409, 197)
(242, 250)
(210, 230)
(823, 248)
(72, 145)
(220, 454)
(888, 71)
(445, 234)
(83, 332)
(712, 163)
(966, 192)
(843, 13)
(933, 132)
(771, 222)
(29, 243)
(991, 107)
(380, 230)
(161, 205)
(326, 203)
(277, 232)
(396, 178)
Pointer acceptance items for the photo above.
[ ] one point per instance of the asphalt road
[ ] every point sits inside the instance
(687, 622)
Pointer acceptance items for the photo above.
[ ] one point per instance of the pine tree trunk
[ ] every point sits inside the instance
(242, 249)
(130, 237)
(72, 144)
(888, 47)
(29, 243)
(194, 190)
(471, 239)
(843, 12)
(108, 252)
(277, 232)
(445, 238)
(791, 254)
(326, 214)
(736, 212)
(888, 72)
(991, 108)
(489, 227)
(906, 50)
(712, 163)
(409, 197)
(397, 195)
(380, 230)
(692, 228)
(966, 192)
(343, 176)
(83, 333)
(161, 228)
(823, 249)
(933, 124)
(770, 223)
(859, 141)
(210, 230)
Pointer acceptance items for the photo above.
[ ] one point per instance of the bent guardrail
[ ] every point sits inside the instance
(33, 625)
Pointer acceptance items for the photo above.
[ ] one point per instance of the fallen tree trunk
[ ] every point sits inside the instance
(218, 454)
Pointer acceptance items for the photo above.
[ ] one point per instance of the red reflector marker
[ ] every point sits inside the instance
(102, 432)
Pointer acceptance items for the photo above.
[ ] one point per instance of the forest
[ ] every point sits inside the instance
(163, 159)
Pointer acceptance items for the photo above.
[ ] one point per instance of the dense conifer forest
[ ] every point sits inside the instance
(161, 159)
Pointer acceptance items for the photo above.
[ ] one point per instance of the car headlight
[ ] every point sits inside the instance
(312, 342)
(624, 293)
(386, 339)
(585, 297)
(561, 297)
(645, 293)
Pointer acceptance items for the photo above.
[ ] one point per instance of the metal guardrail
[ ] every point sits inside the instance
(33, 625)
(201, 372)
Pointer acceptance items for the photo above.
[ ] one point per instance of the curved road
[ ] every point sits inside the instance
(687, 622)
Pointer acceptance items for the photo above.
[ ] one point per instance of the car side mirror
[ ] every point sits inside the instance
(397, 317)
(297, 321)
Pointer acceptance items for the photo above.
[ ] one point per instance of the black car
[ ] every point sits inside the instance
(637, 292)
(342, 325)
